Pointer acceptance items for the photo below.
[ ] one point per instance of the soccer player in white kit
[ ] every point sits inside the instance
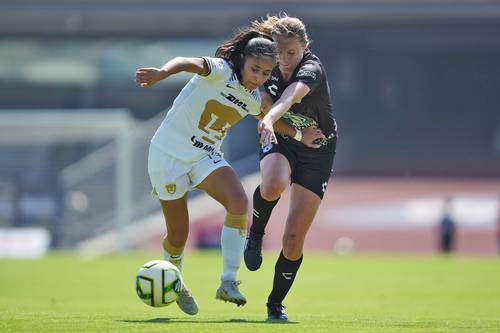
(185, 151)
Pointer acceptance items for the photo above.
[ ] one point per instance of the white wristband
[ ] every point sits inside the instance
(298, 135)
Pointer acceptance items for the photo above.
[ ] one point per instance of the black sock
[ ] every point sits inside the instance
(262, 210)
(284, 275)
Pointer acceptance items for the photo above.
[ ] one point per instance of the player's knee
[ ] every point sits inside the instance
(271, 189)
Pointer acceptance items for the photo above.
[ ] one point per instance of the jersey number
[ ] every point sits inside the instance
(216, 120)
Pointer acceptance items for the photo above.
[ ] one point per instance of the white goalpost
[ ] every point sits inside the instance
(21, 128)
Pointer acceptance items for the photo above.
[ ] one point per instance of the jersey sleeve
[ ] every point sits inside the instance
(218, 69)
(311, 74)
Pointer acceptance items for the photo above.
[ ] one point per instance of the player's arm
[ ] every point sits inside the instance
(293, 94)
(307, 136)
(281, 126)
(148, 76)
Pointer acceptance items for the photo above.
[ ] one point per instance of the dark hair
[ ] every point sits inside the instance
(247, 42)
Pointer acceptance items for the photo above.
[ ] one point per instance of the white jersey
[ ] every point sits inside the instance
(203, 111)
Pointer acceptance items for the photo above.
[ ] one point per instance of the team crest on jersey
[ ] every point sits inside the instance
(171, 188)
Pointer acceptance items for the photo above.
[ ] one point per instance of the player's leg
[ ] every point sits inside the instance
(177, 221)
(275, 173)
(309, 181)
(225, 186)
(171, 184)
(303, 207)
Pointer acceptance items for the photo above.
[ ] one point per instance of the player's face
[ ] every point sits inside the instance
(256, 71)
(291, 51)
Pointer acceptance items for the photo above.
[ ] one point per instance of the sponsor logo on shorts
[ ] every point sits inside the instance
(171, 188)
(323, 186)
(215, 160)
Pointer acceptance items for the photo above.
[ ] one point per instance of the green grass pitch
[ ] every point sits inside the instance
(361, 293)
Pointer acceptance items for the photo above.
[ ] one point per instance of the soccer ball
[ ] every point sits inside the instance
(158, 283)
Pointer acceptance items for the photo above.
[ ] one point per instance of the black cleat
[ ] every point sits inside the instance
(276, 312)
(253, 251)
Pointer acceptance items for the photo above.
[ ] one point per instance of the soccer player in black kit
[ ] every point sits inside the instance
(298, 92)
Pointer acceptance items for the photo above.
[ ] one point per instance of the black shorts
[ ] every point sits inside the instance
(311, 168)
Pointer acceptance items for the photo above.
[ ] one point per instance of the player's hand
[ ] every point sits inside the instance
(266, 130)
(311, 135)
(146, 77)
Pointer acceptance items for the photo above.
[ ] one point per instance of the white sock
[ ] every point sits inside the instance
(176, 260)
(232, 242)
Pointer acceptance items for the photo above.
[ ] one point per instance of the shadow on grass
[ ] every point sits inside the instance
(229, 321)
(453, 325)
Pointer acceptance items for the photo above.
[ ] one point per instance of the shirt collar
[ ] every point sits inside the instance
(235, 83)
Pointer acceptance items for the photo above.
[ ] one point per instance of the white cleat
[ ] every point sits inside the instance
(186, 302)
(228, 292)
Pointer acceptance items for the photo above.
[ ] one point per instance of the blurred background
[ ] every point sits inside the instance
(416, 93)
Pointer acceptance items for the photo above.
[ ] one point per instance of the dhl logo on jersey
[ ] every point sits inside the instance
(230, 97)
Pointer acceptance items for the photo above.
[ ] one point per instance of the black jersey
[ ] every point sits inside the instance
(316, 107)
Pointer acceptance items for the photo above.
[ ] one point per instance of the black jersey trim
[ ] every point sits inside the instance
(208, 65)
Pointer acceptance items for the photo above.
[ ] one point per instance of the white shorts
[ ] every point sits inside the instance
(171, 178)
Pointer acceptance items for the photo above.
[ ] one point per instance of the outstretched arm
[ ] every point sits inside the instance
(146, 77)
(292, 94)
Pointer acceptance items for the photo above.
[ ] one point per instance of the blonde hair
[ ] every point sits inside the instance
(282, 25)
